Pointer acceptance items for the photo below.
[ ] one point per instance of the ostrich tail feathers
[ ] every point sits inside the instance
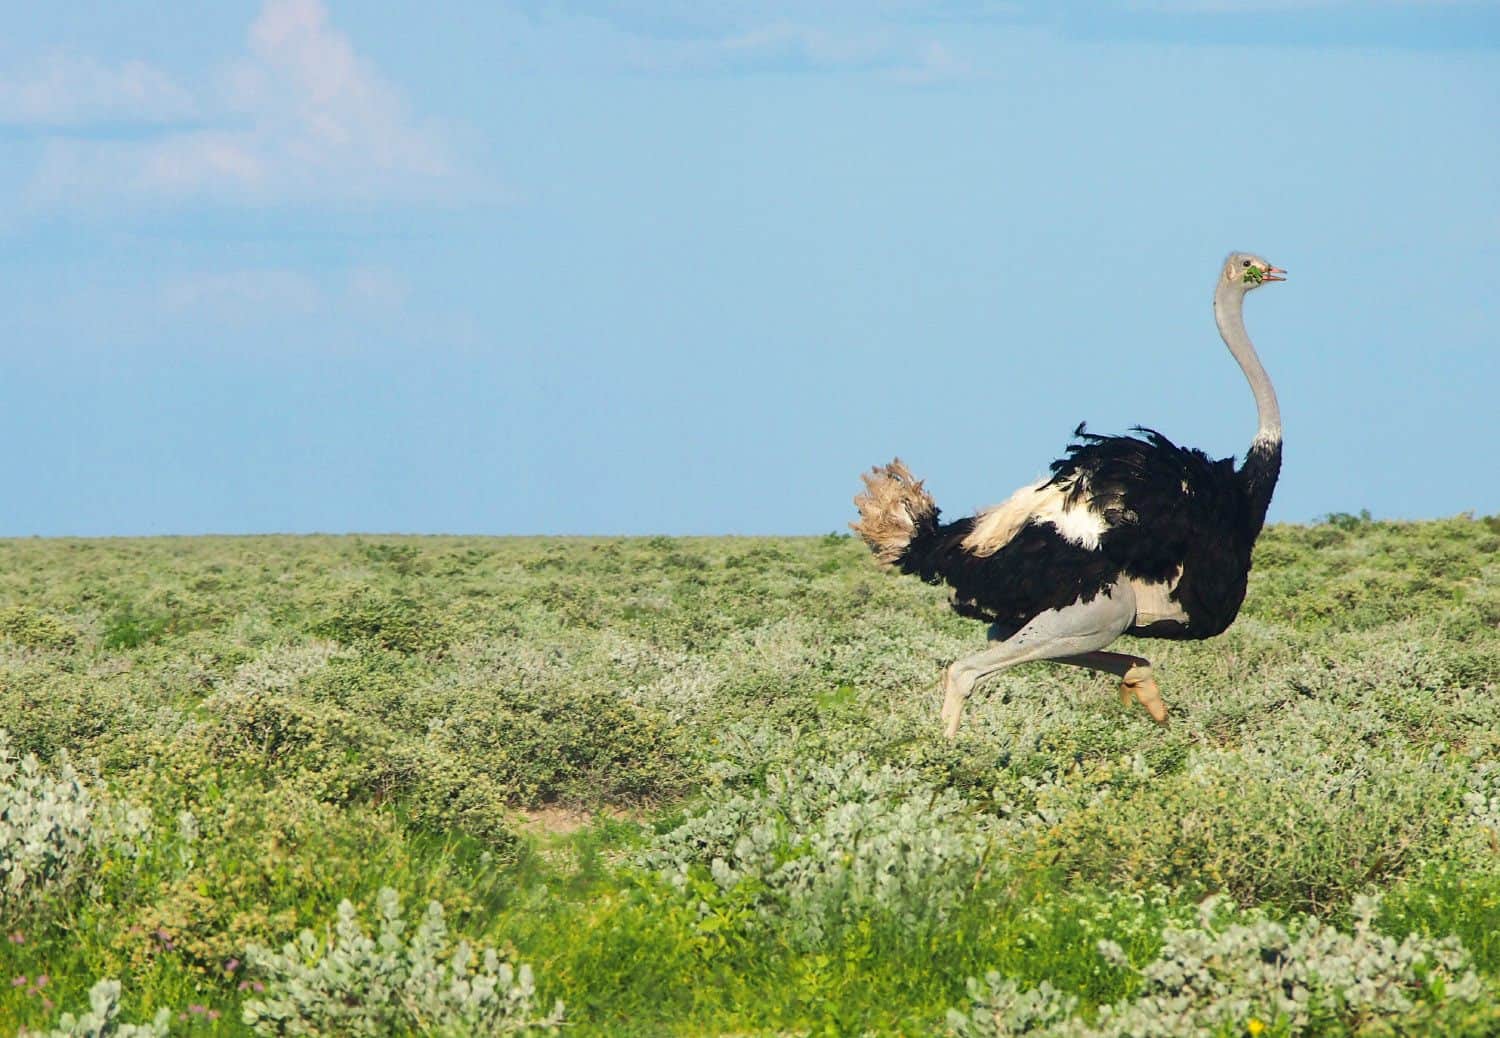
(894, 511)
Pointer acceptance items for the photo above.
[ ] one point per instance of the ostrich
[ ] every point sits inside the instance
(1129, 534)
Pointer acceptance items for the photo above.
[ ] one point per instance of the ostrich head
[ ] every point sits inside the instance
(1249, 271)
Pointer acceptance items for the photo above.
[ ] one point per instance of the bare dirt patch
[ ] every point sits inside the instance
(553, 820)
(556, 820)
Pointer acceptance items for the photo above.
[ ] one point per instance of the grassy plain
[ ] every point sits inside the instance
(698, 784)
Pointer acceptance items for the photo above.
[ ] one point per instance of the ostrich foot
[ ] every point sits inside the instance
(1138, 684)
(953, 703)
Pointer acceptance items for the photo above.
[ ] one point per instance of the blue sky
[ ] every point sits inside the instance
(690, 267)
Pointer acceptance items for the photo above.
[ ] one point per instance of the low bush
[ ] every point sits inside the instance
(825, 845)
(391, 620)
(1289, 822)
(102, 1019)
(385, 983)
(1235, 974)
(54, 829)
(25, 625)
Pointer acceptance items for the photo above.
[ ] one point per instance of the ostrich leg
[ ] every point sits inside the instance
(1134, 672)
(1072, 631)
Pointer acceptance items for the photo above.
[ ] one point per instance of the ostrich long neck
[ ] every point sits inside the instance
(1263, 462)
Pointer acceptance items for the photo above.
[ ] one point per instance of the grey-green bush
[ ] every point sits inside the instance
(362, 984)
(53, 828)
(1236, 973)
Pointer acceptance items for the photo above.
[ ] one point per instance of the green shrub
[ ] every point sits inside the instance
(388, 619)
(403, 559)
(31, 627)
(575, 745)
(1347, 521)
(344, 756)
(1288, 823)
(128, 628)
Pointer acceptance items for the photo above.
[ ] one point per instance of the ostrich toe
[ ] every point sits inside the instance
(1138, 684)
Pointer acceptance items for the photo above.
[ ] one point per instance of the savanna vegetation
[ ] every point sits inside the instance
(696, 786)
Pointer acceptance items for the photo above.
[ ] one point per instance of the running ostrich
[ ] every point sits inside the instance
(1128, 535)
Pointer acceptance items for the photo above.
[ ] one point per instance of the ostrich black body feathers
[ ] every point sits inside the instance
(1168, 506)
(1038, 570)
(1170, 516)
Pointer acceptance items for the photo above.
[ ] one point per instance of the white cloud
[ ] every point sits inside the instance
(316, 99)
(301, 116)
(60, 90)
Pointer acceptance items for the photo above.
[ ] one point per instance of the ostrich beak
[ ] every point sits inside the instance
(1274, 274)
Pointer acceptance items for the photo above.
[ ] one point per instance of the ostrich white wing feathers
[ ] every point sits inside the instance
(1039, 502)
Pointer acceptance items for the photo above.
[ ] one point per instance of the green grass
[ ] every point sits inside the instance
(343, 714)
